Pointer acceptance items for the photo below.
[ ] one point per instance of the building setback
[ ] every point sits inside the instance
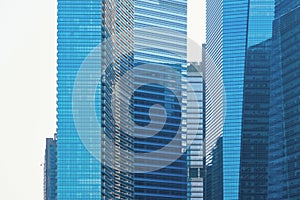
(50, 169)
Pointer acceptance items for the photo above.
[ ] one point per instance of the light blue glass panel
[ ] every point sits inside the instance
(79, 32)
(235, 18)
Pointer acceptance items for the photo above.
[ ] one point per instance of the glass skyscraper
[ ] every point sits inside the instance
(130, 111)
(237, 93)
(79, 32)
(117, 135)
(195, 132)
(284, 164)
(50, 169)
(95, 47)
(97, 107)
(160, 63)
(255, 123)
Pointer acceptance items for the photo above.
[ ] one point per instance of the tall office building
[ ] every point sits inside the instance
(284, 164)
(195, 132)
(255, 123)
(50, 169)
(237, 94)
(160, 63)
(94, 155)
(117, 136)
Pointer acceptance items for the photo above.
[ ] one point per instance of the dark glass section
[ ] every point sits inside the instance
(50, 169)
(284, 6)
(255, 130)
(290, 55)
(284, 154)
(277, 160)
(193, 172)
(214, 174)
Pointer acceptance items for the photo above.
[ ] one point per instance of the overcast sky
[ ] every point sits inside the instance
(28, 89)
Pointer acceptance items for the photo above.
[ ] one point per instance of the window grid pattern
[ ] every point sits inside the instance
(155, 44)
(284, 166)
(83, 26)
(79, 32)
(195, 132)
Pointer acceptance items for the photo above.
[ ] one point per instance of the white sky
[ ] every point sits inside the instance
(28, 89)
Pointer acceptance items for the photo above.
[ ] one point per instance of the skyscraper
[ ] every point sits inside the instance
(97, 53)
(255, 123)
(195, 132)
(160, 99)
(284, 165)
(50, 169)
(237, 93)
(79, 32)
(95, 148)
(117, 123)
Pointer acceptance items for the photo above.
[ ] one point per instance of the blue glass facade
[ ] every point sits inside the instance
(50, 169)
(160, 46)
(233, 28)
(284, 165)
(95, 155)
(79, 32)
